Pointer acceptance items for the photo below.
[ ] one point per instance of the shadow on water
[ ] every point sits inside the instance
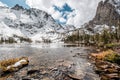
(41, 45)
(56, 45)
(73, 45)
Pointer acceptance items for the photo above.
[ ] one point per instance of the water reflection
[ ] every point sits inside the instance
(55, 45)
(40, 45)
(47, 45)
(72, 45)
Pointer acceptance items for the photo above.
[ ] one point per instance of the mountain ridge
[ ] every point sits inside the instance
(108, 13)
(33, 23)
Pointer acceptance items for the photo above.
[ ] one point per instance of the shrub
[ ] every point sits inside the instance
(114, 58)
(112, 45)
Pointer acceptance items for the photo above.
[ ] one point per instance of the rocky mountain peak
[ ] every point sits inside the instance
(108, 13)
(17, 7)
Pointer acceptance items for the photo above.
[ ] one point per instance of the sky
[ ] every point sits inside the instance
(72, 12)
(11, 3)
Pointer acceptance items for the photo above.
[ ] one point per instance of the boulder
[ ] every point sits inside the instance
(75, 77)
(12, 65)
(32, 72)
(112, 76)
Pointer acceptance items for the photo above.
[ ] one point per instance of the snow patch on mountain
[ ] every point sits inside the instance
(100, 28)
(30, 23)
(2, 4)
(7, 32)
(69, 27)
(97, 29)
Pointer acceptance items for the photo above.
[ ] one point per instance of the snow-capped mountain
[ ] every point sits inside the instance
(107, 17)
(68, 28)
(31, 23)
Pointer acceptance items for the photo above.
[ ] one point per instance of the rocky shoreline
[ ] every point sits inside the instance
(105, 69)
(64, 70)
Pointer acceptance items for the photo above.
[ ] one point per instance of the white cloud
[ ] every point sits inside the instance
(84, 10)
(2, 4)
(62, 20)
(56, 15)
(70, 21)
(51, 10)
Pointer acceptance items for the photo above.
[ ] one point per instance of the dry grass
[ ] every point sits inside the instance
(102, 55)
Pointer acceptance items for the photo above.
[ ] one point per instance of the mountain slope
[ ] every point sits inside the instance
(108, 13)
(31, 23)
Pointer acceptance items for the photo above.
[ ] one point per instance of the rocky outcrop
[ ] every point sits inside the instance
(106, 64)
(107, 70)
(12, 65)
(108, 12)
(17, 7)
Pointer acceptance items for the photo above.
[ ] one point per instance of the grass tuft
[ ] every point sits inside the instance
(101, 55)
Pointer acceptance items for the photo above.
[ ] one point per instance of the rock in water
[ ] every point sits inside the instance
(13, 64)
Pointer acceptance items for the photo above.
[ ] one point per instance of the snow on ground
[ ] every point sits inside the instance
(9, 32)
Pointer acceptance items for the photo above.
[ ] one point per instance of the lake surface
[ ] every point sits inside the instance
(49, 55)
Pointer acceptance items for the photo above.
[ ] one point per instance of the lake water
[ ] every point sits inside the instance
(48, 55)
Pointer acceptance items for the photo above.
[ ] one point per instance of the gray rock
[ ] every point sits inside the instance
(106, 14)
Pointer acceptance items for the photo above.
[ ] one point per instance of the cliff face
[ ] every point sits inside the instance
(107, 13)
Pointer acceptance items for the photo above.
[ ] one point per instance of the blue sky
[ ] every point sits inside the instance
(11, 3)
(65, 9)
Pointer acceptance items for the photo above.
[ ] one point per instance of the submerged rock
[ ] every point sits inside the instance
(75, 77)
(32, 72)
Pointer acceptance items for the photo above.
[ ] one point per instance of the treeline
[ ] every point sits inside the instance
(46, 40)
(23, 39)
(9, 40)
(14, 39)
(98, 39)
